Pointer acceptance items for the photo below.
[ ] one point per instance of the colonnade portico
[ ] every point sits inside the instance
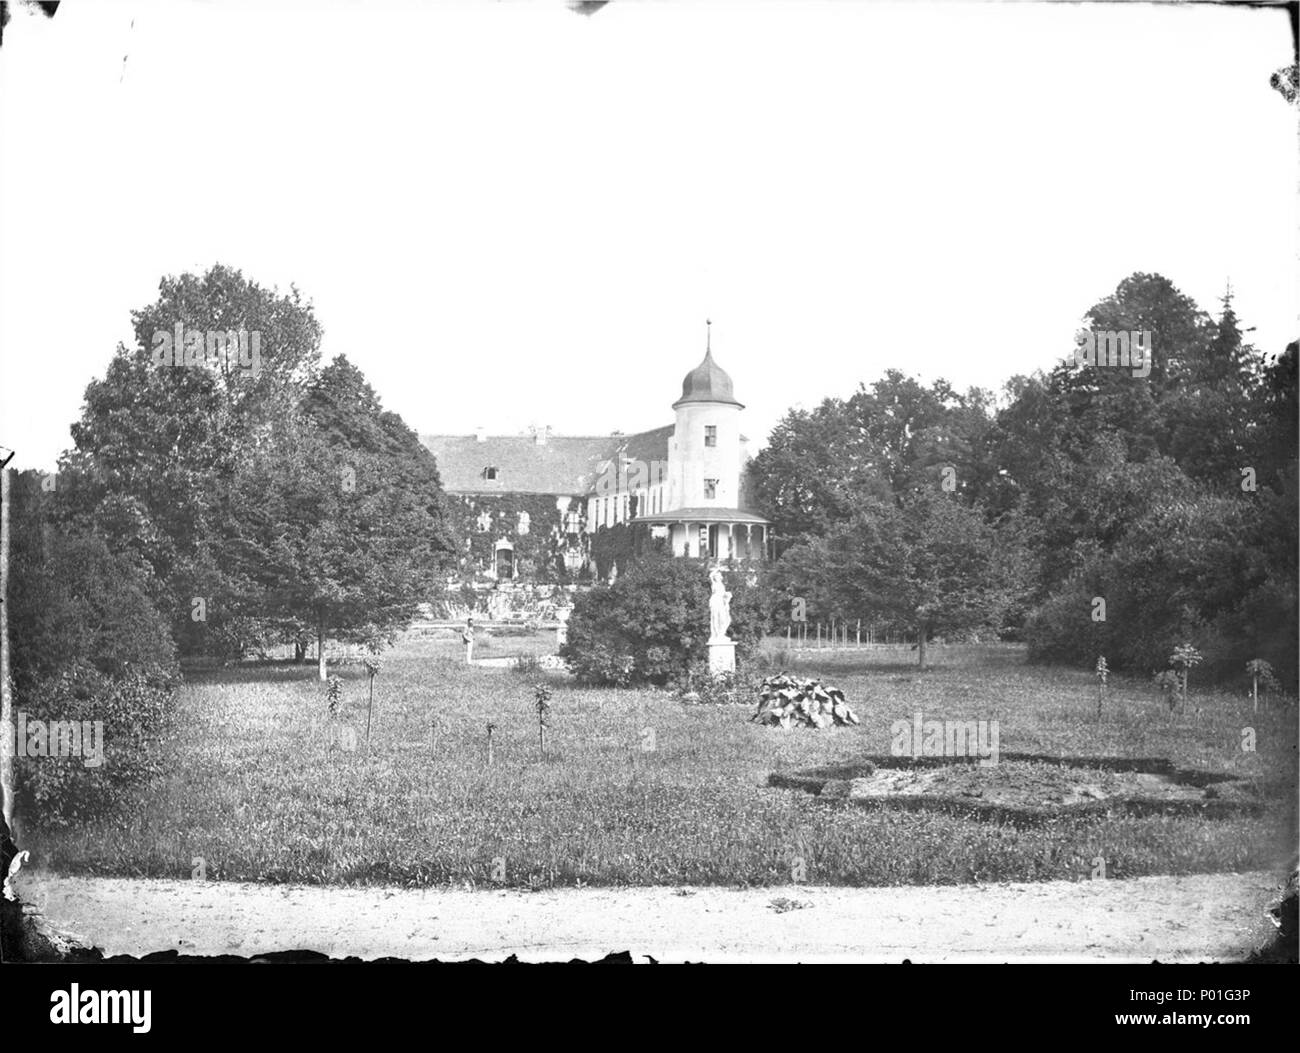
(711, 533)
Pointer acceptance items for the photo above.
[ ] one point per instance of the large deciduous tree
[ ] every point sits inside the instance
(264, 500)
(1170, 496)
(1119, 480)
(820, 466)
(928, 563)
(159, 445)
(345, 530)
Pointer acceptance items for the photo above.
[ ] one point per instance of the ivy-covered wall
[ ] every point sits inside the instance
(537, 525)
(620, 545)
(481, 520)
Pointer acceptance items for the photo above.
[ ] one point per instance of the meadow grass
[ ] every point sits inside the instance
(638, 788)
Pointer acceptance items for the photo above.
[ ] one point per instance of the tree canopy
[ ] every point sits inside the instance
(262, 497)
(1142, 484)
(344, 531)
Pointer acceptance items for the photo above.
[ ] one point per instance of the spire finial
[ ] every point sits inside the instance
(708, 335)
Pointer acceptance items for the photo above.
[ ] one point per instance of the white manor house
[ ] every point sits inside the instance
(551, 495)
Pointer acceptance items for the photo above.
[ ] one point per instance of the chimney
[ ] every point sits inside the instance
(540, 435)
(479, 434)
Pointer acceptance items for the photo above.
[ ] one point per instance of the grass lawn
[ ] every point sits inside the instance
(640, 789)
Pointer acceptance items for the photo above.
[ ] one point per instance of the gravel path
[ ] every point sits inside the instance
(1202, 917)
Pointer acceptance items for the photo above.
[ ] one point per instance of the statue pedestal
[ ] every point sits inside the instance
(722, 656)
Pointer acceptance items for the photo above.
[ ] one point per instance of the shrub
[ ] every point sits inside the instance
(1061, 629)
(652, 624)
(529, 665)
(1213, 571)
(131, 711)
(596, 661)
(72, 602)
(88, 644)
(528, 628)
(1170, 686)
(715, 689)
(787, 701)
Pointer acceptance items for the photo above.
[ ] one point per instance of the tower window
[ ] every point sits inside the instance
(710, 488)
(490, 472)
(710, 435)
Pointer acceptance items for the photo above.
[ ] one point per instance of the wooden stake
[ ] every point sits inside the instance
(370, 709)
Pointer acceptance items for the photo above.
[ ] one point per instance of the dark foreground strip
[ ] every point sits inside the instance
(301, 998)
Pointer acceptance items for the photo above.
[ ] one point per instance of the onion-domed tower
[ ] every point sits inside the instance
(702, 511)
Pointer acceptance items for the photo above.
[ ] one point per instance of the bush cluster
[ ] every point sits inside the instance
(132, 711)
(88, 645)
(1203, 570)
(652, 624)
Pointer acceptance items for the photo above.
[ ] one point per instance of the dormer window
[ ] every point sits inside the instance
(490, 473)
(710, 435)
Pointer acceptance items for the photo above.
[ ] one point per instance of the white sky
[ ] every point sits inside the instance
(509, 213)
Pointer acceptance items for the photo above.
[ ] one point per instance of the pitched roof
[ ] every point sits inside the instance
(564, 464)
(701, 515)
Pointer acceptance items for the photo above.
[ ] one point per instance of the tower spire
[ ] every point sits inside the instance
(708, 335)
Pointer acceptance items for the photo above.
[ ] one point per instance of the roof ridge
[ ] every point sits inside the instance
(553, 436)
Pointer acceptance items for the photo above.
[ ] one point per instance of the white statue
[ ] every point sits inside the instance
(719, 606)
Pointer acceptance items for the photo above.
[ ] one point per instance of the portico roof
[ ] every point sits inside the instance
(702, 515)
